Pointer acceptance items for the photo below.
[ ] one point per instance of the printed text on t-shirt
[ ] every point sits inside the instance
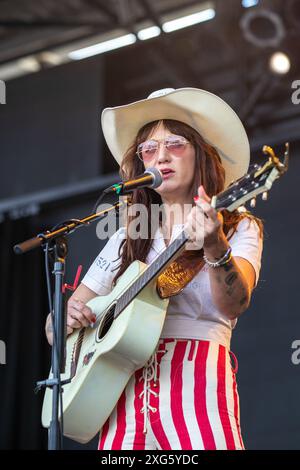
(102, 263)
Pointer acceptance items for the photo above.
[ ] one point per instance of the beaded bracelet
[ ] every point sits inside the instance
(220, 262)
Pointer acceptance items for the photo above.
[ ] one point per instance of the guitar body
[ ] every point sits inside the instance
(102, 359)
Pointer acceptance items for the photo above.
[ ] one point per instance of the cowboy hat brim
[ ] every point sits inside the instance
(208, 114)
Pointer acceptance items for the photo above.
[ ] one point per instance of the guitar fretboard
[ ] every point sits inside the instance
(151, 272)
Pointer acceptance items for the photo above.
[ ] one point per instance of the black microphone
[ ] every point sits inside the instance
(151, 177)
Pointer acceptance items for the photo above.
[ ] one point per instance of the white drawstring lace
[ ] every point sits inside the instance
(149, 373)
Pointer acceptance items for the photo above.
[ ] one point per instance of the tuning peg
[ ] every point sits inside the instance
(264, 195)
(253, 202)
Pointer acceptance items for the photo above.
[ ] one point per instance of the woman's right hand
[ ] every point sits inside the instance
(79, 315)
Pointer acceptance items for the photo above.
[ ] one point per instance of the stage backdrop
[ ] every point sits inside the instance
(268, 379)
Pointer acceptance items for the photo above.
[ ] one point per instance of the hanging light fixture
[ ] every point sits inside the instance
(262, 28)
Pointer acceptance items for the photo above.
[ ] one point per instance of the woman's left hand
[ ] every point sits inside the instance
(204, 224)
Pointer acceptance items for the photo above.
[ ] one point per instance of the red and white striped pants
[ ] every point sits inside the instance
(186, 397)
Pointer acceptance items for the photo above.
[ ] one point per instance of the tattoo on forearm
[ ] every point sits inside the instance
(229, 280)
(230, 291)
(233, 284)
(235, 287)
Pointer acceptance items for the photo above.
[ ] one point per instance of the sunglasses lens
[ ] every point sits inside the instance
(147, 150)
(175, 144)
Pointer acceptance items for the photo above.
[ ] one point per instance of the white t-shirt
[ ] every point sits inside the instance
(191, 313)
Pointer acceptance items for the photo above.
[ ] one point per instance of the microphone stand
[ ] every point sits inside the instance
(57, 238)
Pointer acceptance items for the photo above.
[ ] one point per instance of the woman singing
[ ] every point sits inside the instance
(186, 396)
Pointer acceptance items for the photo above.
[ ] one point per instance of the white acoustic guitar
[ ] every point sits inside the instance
(101, 360)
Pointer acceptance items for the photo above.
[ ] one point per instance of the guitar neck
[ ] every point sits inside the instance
(153, 271)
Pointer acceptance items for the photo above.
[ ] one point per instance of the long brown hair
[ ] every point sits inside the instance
(209, 172)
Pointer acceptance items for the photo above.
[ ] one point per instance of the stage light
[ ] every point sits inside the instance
(29, 64)
(280, 63)
(189, 20)
(102, 47)
(49, 58)
(148, 33)
(249, 3)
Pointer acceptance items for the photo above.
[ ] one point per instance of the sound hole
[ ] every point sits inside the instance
(106, 322)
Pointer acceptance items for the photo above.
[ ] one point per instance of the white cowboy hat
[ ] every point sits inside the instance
(205, 112)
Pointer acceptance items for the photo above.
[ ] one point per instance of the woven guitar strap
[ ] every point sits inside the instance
(179, 273)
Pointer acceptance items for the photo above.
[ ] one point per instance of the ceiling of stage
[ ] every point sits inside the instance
(35, 25)
(217, 55)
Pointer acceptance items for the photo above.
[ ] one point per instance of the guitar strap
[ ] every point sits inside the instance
(179, 273)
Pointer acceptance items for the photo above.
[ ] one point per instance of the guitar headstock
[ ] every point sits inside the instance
(258, 180)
